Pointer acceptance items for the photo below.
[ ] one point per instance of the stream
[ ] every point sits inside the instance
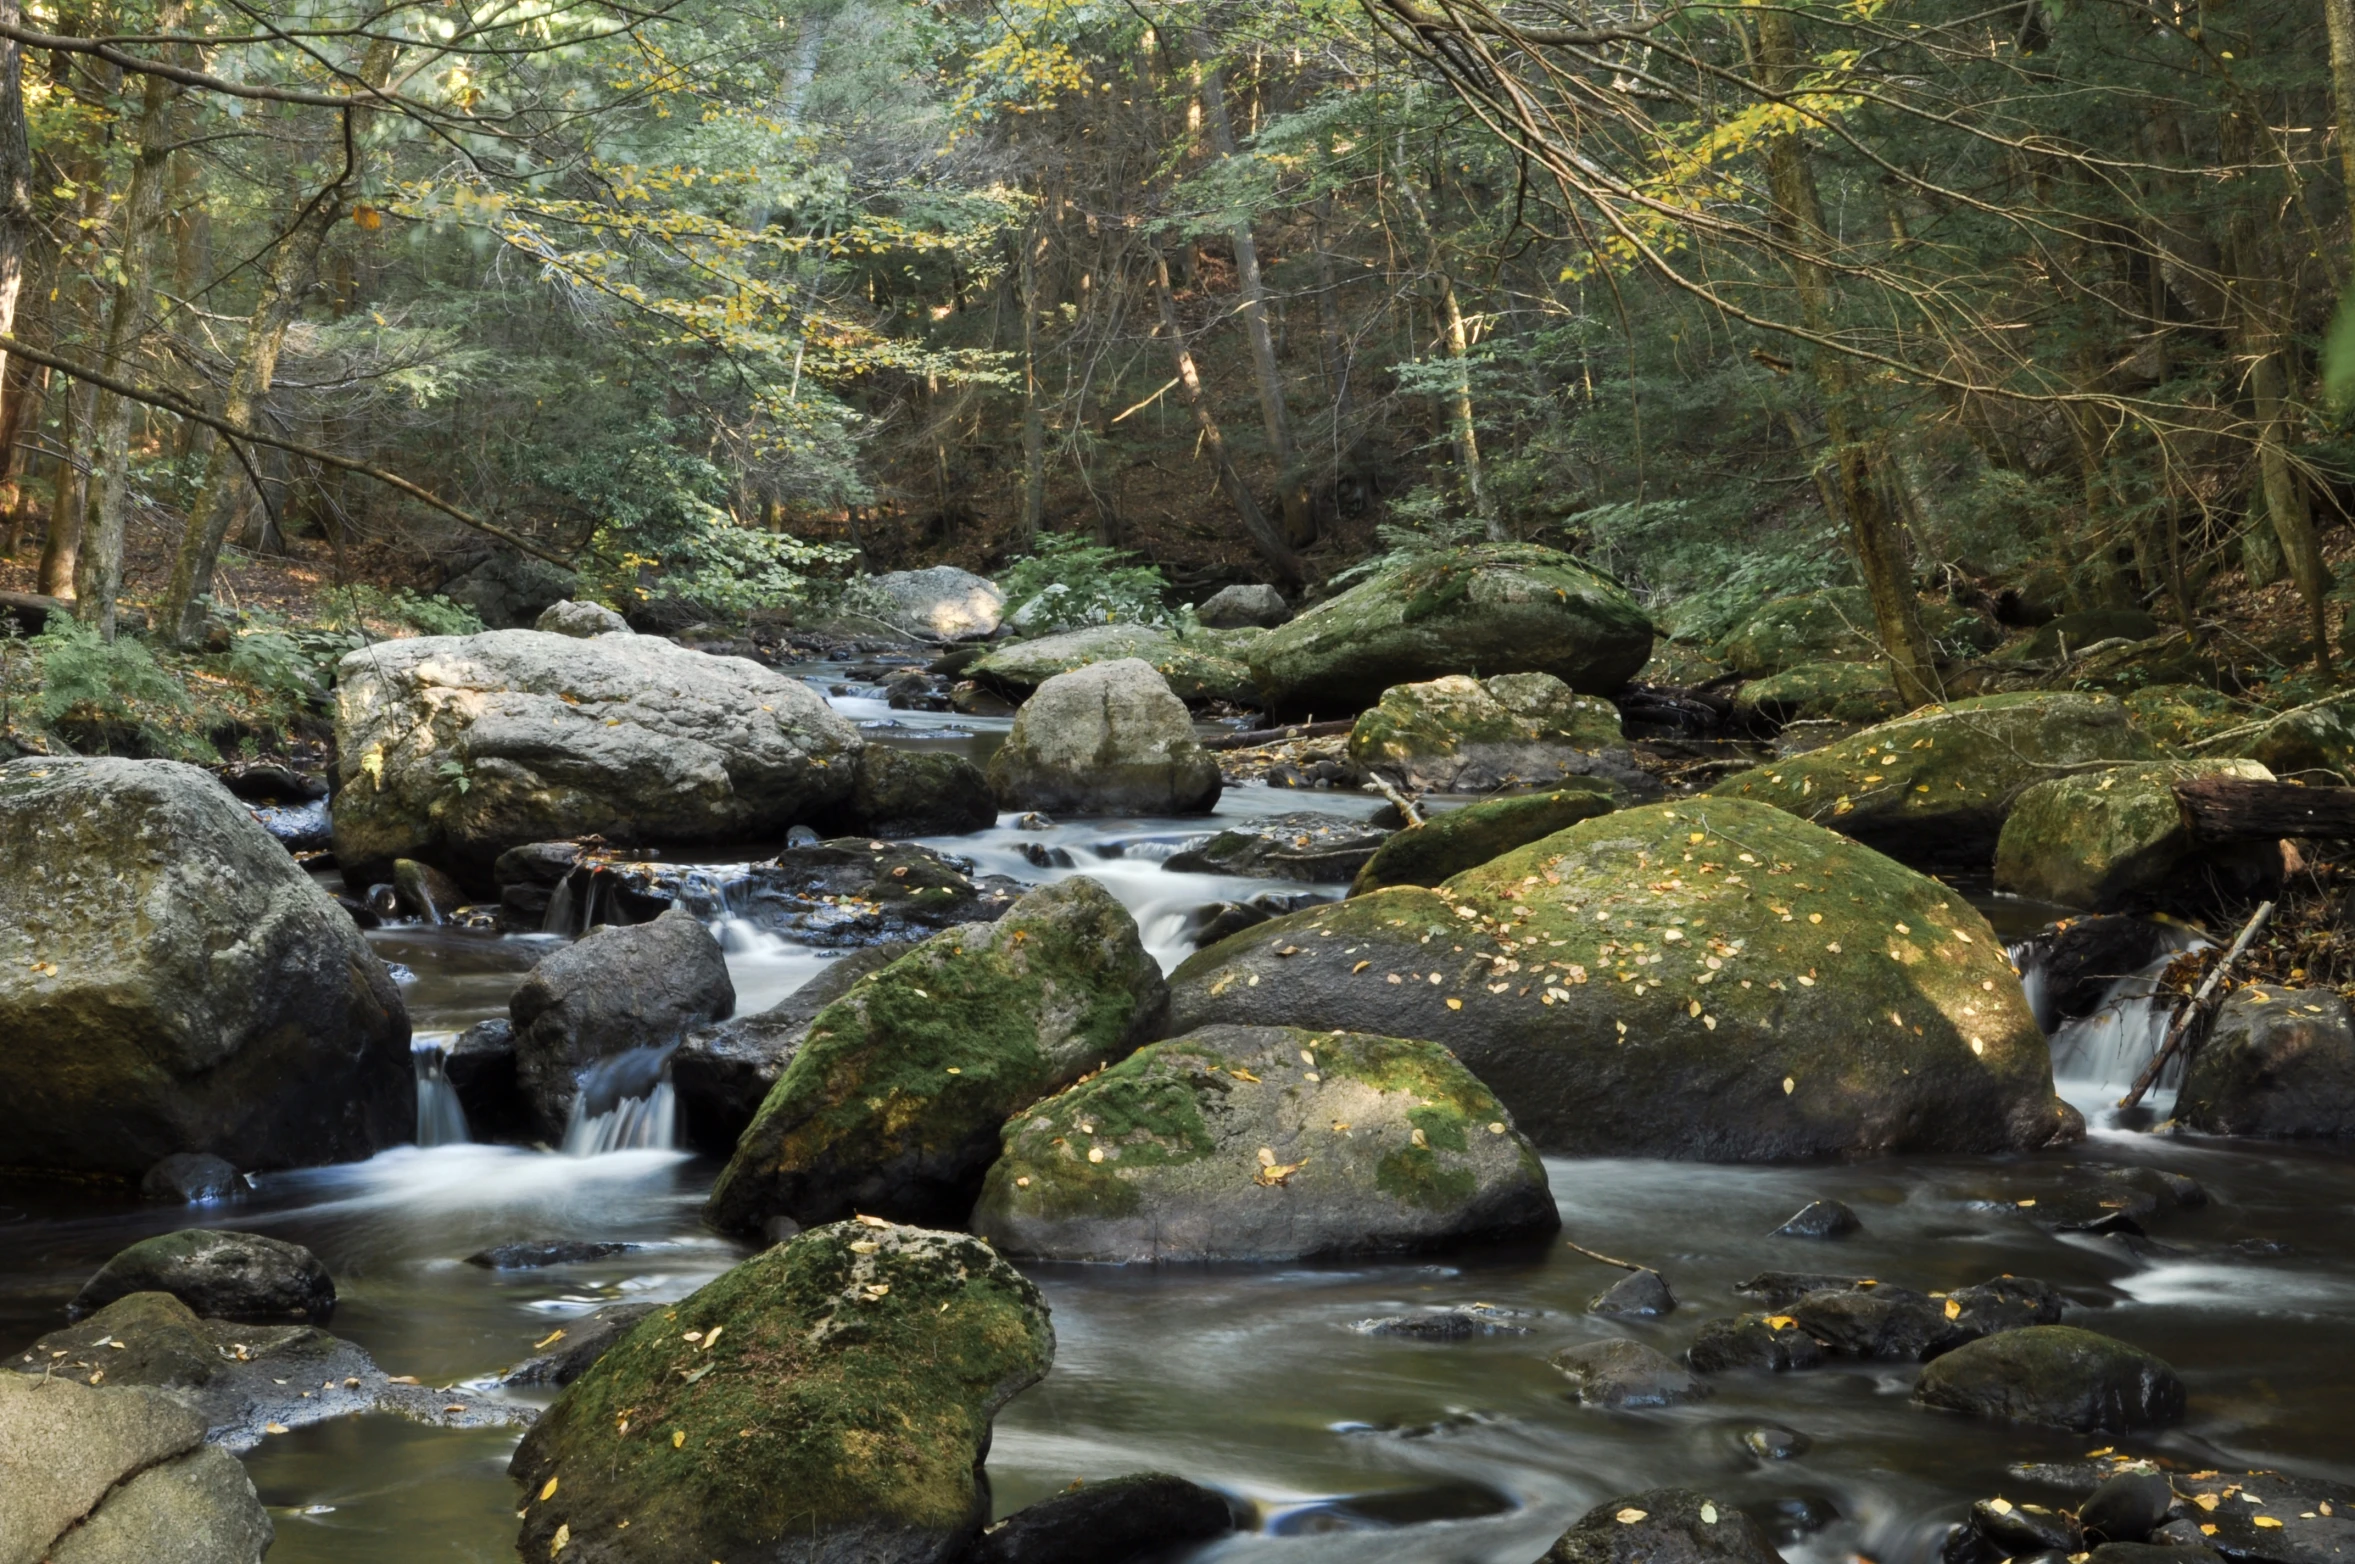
(1345, 1445)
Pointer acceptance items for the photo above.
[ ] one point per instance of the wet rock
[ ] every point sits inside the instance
(2316, 1520)
(1761, 1341)
(1500, 608)
(2011, 1529)
(231, 1276)
(905, 792)
(113, 1475)
(2279, 1062)
(914, 690)
(299, 828)
(630, 737)
(271, 782)
(2114, 839)
(1879, 1322)
(722, 1074)
(846, 891)
(942, 602)
(2006, 1303)
(1264, 1143)
(2127, 1507)
(1846, 693)
(1622, 1374)
(1780, 1289)
(480, 1067)
(1243, 607)
(1773, 1442)
(2150, 1553)
(1445, 845)
(580, 620)
(2082, 957)
(613, 992)
(569, 1350)
(1387, 1509)
(170, 981)
(1118, 1520)
(1596, 982)
(1105, 739)
(1663, 1526)
(894, 1103)
(1936, 785)
(191, 1178)
(868, 1360)
(1793, 1518)
(1820, 1219)
(1318, 848)
(1218, 920)
(1204, 666)
(968, 698)
(1461, 1323)
(1640, 1293)
(424, 892)
(1462, 735)
(533, 1253)
(2057, 1375)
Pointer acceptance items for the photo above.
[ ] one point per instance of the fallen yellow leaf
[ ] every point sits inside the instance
(548, 1490)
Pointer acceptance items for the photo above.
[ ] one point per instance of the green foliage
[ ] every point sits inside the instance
(276, 663)
(97, 684)
(1700, 582)
(1076, 582)
(361, 606)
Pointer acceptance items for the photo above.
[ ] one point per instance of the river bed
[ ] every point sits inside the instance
(1345, 1446)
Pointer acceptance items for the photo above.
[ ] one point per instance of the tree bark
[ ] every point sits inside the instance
(1034, 418)
(1264, 537)
(16, 204)
(2339, 16)
(1878, 536)
(2230, 809)
(1456, 332)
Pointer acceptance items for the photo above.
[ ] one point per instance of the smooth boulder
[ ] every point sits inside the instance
(1117, 1520)
(1486, 609)
(171, 981)
(191, 1178)
(230, 1276)
(1259, 607)
(2115, 840)
(619, 996)
(1620, 1373)
(452, 749)
(904, 792)
(1206, 665)
(1711, 979)
(722, 1074)
(580, 620)
(942, 603)
(2279, 1063)
(866, 1361)
(893, 1102)
(1447, 844)
(1463, 735)
(2056, 1375)
(1822, 692)
(1106, 739)
(1937, 783)
(1663, 1526)
(1264, 1143)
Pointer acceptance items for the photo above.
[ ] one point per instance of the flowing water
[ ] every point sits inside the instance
(1347, 1446)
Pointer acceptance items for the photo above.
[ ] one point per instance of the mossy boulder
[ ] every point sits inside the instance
(893, 1102)
(2057, 1375)
(1708, 979)
(2155, 662)
(1937, 783)
(1447, 844)
(1837, 625)
(1484, 610)
(1264, 1143)
(1110, 738)
(1204, 665)
(2113, 840)
(829, 1399)
(1463, 735)
(1823, 692)
(2279, 1062)
(2177, 716)
(2305, 741)
(905, 792)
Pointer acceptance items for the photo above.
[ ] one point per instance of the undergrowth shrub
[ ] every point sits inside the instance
(1074, 582)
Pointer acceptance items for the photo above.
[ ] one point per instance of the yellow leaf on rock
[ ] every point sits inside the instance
(1789, 1085)
(548, 1340)
(1629, 1516)
(2267, 1521)
(548, 1490)
(1708, 1513)
(678, 1437)
(1953, 1309)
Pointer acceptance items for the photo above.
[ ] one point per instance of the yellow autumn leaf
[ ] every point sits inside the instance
(548, 1490)
(1629, 1516)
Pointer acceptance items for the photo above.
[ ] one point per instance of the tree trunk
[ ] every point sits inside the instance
(16, 204)
(1264, 537)
(1457, 334)
(1300, 527)
(2339, 15)
(1878, 536)
(1034, 418)
(61, 551)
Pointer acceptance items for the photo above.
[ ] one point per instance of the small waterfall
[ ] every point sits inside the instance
(2108, 1048)
(441, 1121)
(625, 1103)
(558, 918)
(2027, 958)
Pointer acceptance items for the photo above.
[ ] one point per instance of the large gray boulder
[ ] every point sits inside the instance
(1463, 735)
(231, 1276)
(2115, 839)
(2279, 1062)
(118, 1476)
(1259, 607)
(1264, 1143)
(1106, 739)
(944, 603)
(171, 981)
(617, 997)
(1206, 665)
(452, 749)
(581, 620)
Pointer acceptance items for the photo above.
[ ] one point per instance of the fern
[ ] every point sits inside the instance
(83, 675)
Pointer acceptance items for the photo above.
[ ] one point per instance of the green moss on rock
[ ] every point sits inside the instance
(2177, 716)
(1712, 979)
(2110, 840)
(1821, 692)
(893, 1103)
(1937, 783)
(1264, 1143)
(1459, 734)
(1837, 625)
(834, 1393)
(2306, 741)
(1448, 844)
(1205, 665)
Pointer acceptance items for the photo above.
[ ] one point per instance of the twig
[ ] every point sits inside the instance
(1253, 738)
(1405, 805)
(2179, 1035)
(1624, 1265)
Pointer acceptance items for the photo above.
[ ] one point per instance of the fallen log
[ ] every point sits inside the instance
(1298, 730)
(2234, 809)
(2192, 1020)
(30, 610)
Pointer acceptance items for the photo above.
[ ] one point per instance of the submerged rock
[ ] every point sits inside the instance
(1105, 739)
(1624, 1373)
(1243, 607)
(231, 1276)
(566, 1352)
(867, 1361)
(724, 1073)
(851, 891)
(612, 993)
(1205, 666)
(1461, 735)
(1773, 1342)
(170, 981)
(2279, 1062)
(1938, 783)
(1264, 1143)
(1116, 1520)
(626, 736)
(2113, 839)
(1447, 844)
(533, 1253)
(1820, 1219)
(1641, 1293)
(1461, 1323)
(1321, 849)
(894, 1101)
(2266, 1517)
(2058, 1375)
(1663, 1526)
(116, 1475)
(1691, 980)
